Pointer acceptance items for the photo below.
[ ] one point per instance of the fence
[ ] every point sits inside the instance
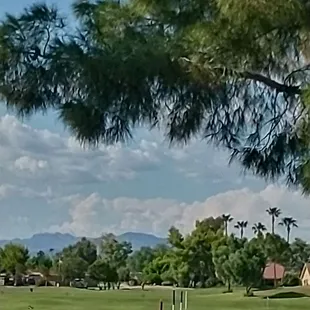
(183, 301)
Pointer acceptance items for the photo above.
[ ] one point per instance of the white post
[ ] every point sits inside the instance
(185, 300)
(173, 300)
(181, 301)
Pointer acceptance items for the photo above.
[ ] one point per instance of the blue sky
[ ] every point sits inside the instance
(49, 183)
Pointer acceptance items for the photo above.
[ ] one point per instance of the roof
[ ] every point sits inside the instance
(273, 269)
(35, 274)
(304, 268)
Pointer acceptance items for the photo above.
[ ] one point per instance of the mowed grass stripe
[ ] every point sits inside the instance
(75, 299)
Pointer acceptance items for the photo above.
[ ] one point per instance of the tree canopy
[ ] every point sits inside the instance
(204, 257)
(235, 73)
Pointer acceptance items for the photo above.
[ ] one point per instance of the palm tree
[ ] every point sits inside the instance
(288, 223)
(274, 213)
(258, 228)
(227, 218)
(241, 225)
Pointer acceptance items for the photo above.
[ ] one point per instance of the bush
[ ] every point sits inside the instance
(291, 279)
(155, 279)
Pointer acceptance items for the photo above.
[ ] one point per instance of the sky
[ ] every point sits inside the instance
(48, 183)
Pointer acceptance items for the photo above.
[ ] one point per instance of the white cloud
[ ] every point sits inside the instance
(8, 191)
(27, 153)
(94, 215)
(30, 164)
(39, 171)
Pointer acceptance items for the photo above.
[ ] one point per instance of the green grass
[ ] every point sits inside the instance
(75, 299)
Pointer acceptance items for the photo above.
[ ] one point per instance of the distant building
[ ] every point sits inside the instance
(37, 278)
(3, 279)
(273, 272)
(305, 275)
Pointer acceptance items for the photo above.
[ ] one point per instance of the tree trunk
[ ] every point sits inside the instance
(226, 229)
(241, 232)
(275, 274)
(228, 286)
(288, 234)
(272, 224)
(248, 290)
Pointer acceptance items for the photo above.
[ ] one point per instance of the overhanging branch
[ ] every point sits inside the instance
(281, 88)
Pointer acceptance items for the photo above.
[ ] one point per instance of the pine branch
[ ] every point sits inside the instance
(280, 88)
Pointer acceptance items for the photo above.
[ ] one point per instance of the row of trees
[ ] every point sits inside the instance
(75, 261)
(258, 228)
(203, 258)
(207, 257)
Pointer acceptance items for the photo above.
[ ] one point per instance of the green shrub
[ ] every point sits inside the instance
(291, 279)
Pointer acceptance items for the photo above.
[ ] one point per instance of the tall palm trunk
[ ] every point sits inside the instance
(288, 234)
(241, 232)
(272, 224)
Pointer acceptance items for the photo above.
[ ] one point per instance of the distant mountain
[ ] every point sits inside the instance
(44, 242)
(139, 240)
(57, 241)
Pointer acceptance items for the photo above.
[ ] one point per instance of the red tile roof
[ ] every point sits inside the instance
(271, 269)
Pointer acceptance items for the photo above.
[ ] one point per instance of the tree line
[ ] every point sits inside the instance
(206, 257)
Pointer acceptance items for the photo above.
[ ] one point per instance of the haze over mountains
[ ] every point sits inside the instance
(57, 241)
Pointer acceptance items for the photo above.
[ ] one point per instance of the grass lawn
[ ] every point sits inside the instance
(75, 299)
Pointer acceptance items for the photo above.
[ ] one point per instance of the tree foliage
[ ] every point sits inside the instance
(42, 263)
(247, 264)
(102, 271)
(115, 252)
(13, 258)
(233, 72)
(259, 228)
(204, 257)
(274, 214)
(74, 260)
(73, 267)
(241, 225)
(288, 223)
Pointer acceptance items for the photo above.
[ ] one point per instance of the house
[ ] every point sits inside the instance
(305, 275)
(273, 273)
(37, 278)
(3, 278)
(34, 278)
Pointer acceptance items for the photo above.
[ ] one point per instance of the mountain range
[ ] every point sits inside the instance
(58, 241)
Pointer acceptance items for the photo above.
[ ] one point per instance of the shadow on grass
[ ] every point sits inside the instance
(287, 295)
(262, 289)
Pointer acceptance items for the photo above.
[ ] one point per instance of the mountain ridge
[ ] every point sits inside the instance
(57, 241)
